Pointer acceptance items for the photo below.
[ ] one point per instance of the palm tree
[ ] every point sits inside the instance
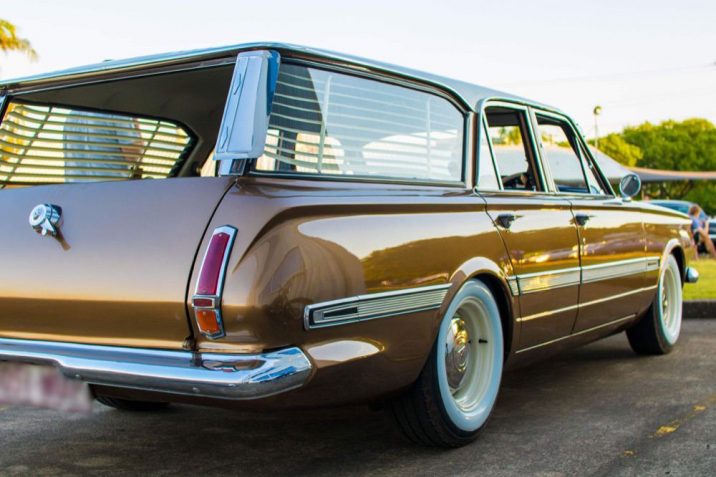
(9, 41)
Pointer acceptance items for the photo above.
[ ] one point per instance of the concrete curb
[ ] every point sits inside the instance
(700, 309)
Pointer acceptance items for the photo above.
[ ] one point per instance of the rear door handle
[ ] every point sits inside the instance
(582, 219)
(505, 220)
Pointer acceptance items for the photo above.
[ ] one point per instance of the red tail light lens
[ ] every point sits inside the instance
(209, 286)
(213, 261)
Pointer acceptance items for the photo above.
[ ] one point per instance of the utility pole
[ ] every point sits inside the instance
(597, 111)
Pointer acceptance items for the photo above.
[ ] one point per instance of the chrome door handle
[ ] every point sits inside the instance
(505, 220)
(582, 219)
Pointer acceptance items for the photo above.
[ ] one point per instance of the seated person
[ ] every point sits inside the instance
(700, 229)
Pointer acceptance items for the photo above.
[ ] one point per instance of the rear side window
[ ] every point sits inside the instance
(334, 124)
(45, 144)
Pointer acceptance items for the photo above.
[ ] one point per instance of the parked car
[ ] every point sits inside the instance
(272, 226)
(684, 206)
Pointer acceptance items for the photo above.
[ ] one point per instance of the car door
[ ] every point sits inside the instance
(536, 225)
(611, 233)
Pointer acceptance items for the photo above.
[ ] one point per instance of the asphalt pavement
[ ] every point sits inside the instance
(597, 410)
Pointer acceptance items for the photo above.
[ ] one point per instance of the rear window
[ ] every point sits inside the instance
(333, 124)
(44, 144)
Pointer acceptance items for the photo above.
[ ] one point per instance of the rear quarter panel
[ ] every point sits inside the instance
(303, 242)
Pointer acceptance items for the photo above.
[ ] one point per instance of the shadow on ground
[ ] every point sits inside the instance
(580, 412)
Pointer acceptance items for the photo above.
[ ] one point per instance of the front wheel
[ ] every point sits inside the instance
(658, 330)
(456, 391)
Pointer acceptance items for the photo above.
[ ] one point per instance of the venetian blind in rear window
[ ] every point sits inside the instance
(45, 144)
(334, 124)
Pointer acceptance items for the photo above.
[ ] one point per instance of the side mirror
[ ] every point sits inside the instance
(629, 186)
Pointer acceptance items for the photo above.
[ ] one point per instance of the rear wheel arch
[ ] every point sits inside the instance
(679, 255)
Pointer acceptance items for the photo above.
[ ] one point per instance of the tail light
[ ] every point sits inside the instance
(210, 284)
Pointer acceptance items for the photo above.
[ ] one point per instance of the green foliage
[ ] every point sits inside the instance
(688, 145)
(705, 289)
(614, 146)
(509, 135)
(9, 41)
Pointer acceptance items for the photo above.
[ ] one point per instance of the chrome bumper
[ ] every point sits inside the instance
(691, 275)
(214, 375)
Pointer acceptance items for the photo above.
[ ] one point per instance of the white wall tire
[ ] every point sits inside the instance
(658, 330)
(456, 392)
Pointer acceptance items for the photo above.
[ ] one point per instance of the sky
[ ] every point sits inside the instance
(639, 60)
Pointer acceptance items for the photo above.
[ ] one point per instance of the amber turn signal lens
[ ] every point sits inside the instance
(209, 322)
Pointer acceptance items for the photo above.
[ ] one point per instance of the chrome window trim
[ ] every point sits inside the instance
(525, 109)
(374, 305)
(481, 125)
(584, 161)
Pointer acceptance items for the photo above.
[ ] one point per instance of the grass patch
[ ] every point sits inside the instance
(705, 289)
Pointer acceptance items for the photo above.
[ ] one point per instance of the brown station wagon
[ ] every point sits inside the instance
(269, 226)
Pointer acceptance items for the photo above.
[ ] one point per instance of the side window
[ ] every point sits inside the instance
(509, 137)
(486, 175)
(561, 151)
(333, 124)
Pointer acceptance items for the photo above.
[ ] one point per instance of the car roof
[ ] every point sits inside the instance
(470, 94)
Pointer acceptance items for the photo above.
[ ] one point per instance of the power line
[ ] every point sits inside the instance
(703, 68)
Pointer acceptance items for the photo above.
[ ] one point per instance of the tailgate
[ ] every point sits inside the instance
(117, 274)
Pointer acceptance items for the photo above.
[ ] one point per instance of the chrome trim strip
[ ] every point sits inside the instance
(585, 304)
(535, 282)
(213, 375)
(374, 305)
(604, 325)
(619, 268)
(514, 285)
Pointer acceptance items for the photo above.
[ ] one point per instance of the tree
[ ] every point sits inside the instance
(9, 41)
(614, 146)
(688, 145)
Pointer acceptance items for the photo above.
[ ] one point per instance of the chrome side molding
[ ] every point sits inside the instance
(691, 275)
(213, 375)
(374, 305)
(535, 282)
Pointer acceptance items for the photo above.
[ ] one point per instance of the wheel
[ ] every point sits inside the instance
(129, 405)
(658, 330)
(454, 395)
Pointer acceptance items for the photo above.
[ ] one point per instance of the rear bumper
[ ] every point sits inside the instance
(214, 375)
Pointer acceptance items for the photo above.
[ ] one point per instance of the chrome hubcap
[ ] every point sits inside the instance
(457, 354)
